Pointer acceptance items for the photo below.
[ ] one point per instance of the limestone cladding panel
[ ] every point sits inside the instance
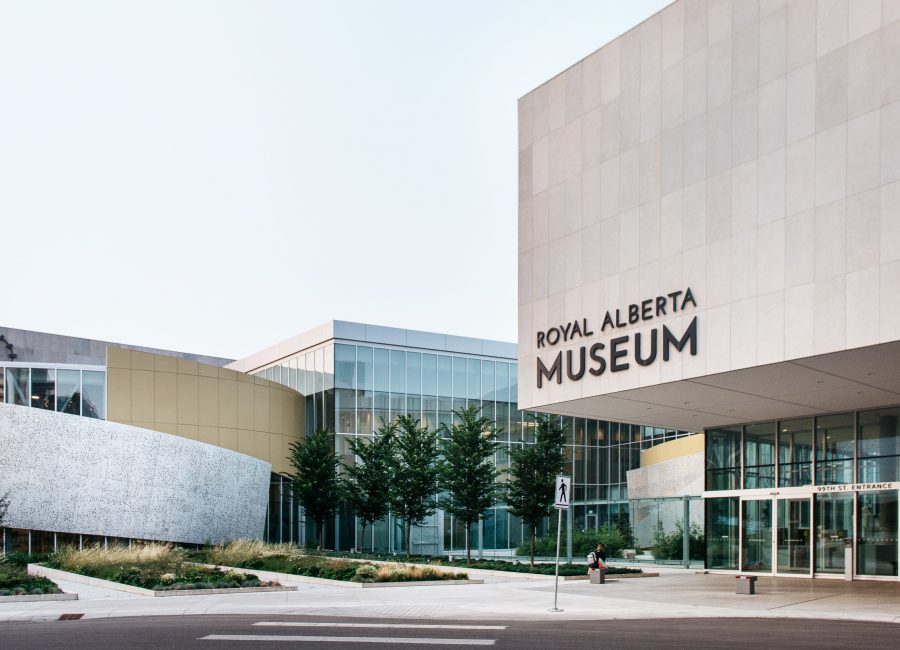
(748, 150)
(74, 474)
(215, 405)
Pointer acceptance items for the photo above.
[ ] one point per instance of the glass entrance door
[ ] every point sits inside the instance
(756, 535)
(794, 539)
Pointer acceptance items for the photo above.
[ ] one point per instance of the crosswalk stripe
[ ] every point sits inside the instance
(391, 626)
(345, 639)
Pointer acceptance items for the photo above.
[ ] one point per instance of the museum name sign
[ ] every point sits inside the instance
(617, 352)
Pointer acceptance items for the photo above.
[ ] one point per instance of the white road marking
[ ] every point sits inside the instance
(392, 626)
(345, 639)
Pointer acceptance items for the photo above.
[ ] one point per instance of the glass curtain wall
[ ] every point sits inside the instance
(65, 390)
(350, 388)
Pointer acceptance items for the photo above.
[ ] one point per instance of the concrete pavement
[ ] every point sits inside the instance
(676, 594)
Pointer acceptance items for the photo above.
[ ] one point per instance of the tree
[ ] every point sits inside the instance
(414, 474)
(468, 475)
(367, 482)
(315, 482)
(533, 470)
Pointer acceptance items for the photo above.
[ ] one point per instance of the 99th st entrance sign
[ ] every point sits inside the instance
(562, 495)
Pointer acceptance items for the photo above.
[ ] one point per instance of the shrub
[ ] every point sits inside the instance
(670, 546)
(583, 542)
(366, 573)
(249, 553)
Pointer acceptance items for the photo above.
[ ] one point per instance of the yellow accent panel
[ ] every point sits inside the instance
(191, 431)
(166, 398)
(143, 360)
(142, 392)
(209, 435)
(218, 406)
(118, 394)
(188, 399)
(209, 401)
(244, 406)
(261, 408)
(165, 364)
(228, 403)
(118, 358)
(673, 449)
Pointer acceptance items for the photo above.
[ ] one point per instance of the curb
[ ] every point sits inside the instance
(33, 598)
(286, 578)
(46, 572)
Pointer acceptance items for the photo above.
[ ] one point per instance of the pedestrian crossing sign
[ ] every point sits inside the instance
(563, 493)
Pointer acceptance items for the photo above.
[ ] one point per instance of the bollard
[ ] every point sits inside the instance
(746, 585)
(598, 577)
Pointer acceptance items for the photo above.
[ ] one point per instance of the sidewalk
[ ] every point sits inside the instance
(673, 594)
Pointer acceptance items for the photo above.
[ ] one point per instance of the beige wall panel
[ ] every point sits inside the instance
(186, 367)
(260, 408)
(165, 427)
(118, 358)
(165, 400)
(209, 435)
(209, 401)
(245, 441)
(143, 360)
(142, 391)
(208, 371)
(188, 399)
(214, 405)
(228, 403)
(276, 411)
(261, 447)
(163, 363)
(191, 431)
(228, 438)
(118, 394)
(244, 405)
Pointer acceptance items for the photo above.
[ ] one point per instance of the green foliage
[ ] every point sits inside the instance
(365, 573)
(367, 482)
(533, 470)
(566, 569)
(583, 542)
(15, 581)
(155, 566)
(315, 481)
(22, 560)
(670, 546)
(468, 475)
(414, 474)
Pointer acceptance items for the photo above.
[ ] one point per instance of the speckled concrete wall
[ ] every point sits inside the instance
(72, 474)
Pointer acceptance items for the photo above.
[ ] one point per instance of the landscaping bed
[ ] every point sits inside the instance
(292, 561)
(15, 581)
(152, 569)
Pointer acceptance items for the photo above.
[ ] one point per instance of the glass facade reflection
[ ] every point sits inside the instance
(350, 387)
(837, 491)
(73, 390)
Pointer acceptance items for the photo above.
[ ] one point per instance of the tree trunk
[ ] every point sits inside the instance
(532, 546)
(408, 538)
(321, 535)
(468, 542)
(362, 544)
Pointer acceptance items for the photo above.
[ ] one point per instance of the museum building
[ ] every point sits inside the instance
(709, 217)
(179, 447)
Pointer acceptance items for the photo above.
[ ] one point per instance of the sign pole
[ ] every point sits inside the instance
(562, 496)
(556, 573)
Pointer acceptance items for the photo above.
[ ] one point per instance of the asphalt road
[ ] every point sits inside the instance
(330, 633)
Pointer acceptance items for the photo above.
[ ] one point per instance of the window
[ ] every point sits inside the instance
(344, 366)
(94, 394)
(68, 391)
(17, 386)
(43, 388)
(795, 452)
(834, 449)
(723, 459)
(759, 455)
(879, 446)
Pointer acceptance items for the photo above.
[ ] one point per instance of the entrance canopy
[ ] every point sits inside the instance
(846, 380)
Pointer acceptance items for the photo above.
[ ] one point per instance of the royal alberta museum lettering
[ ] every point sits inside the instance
(617, 353)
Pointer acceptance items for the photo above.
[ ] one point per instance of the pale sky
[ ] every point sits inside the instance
(215, 177)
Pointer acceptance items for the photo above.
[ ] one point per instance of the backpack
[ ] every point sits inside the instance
(592, 560)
